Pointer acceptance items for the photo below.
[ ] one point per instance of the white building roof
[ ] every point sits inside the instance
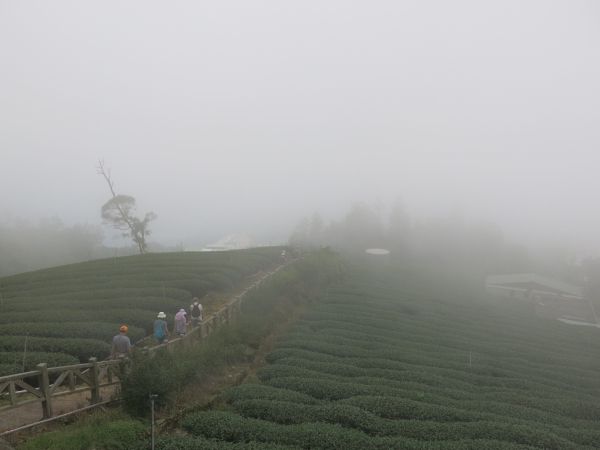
(377, 251)
(233, 241)
(499, 280)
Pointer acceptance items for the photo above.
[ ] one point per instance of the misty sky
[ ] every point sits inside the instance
(245, 116)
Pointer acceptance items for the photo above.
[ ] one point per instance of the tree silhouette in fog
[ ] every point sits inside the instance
(118, 212)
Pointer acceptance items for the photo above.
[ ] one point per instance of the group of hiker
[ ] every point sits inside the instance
(161, 330)
(121, 344)
(283, 258)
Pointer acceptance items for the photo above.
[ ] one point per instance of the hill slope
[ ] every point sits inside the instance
(76, 309)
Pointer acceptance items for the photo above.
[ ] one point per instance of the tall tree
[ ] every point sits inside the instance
(118, 212)
(300, 234)
(315, 231)
(399, 229)
(358, 231)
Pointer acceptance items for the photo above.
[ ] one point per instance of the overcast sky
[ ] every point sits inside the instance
(245, 116)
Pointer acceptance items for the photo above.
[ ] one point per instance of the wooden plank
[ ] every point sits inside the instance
(95, 381)
(83, 377)
(71, 381)
(75, 391)
(59, 381)
(28, 388)
(17, 376)
(73, 367)
(44, 384)
(4, 386)
(12, 395)
(102, 372)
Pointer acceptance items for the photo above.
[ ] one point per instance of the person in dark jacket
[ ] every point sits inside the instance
(196, 312)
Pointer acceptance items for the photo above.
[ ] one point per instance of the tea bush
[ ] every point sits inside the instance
(397, 359)
(91, 300)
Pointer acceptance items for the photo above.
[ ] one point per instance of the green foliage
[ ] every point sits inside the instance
(98, 431)
(149, 376)
(92, 300)
(408, 359)
(195, 443)
(82, 349)
(230, 427)
(91, 330)
(12, 362)
(164, 373)
(263, 392)
(132, 317)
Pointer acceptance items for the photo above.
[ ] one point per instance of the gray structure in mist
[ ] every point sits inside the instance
(378, 256)
(551, 298)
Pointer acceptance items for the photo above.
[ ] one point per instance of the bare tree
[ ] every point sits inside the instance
(118, 212)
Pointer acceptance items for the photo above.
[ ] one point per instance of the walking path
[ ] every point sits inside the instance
(31, 413)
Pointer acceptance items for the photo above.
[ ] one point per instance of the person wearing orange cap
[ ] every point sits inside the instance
(121, 344)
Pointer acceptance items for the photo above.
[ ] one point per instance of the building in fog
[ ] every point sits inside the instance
(378, 256)
(231, 242)
(551, 298)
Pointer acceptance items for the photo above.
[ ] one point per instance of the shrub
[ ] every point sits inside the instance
(82, 349)
(12, 362)
(149, 376)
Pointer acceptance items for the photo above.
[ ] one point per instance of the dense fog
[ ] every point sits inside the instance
(445, 129)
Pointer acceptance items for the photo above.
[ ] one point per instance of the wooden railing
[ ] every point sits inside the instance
(94, 375)
(91, 376)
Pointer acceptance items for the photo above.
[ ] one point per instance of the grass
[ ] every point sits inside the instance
(100, 431)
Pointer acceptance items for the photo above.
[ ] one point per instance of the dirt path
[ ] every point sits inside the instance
(31, 413)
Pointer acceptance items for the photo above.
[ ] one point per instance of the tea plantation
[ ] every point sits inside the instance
(399, 359)
(71, 312)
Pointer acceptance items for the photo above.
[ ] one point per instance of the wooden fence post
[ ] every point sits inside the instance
(44, 383)
(72, 383)
(226, 314)
(95, 381)
(122, 366)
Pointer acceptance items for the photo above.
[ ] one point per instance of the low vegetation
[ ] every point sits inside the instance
(99, 431)
(397, 359)
(166, 373)
(394, 358)
(262, 311)
(76, 309)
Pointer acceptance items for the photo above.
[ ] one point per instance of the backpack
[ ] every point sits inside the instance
(195, 311)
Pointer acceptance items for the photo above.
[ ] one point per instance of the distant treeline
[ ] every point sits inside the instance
(25, 246)
(475, 249)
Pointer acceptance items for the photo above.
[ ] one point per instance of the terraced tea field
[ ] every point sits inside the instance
(397, 359)
(70, 313)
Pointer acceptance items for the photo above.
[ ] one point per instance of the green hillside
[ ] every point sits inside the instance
(399, 359)
(76, 309)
